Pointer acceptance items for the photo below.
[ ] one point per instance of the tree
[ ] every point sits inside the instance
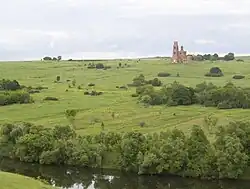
(215, 57)
(47, 58)
(210, 122)
(59, 58)
(199, 154)
(231, 158)
(229, 56)
(54, 59)
(70, 115)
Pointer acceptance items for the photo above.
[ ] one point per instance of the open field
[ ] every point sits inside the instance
(14, 181)
(128, 114)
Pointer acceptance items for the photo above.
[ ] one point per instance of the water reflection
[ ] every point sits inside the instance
(73, 178)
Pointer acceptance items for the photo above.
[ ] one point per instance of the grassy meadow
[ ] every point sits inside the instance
(128, 113)
(14, 181)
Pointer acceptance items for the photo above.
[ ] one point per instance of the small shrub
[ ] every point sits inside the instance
(156, 82)
(240, 60)
(91, 84)
(163, 74)
(238, 77)
(213, 74)
(49, 98)
(91, 66)
(135, 95)
(58, 78)
(107, 67)
(142, 124)
(86, 93)
(79, 87)
(123, 87)
(177, 75)
(99, 66)
(74, 82)
(34, 91)
(93, 93)
(40, 88)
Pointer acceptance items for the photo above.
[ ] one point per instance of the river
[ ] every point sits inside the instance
(82, 178)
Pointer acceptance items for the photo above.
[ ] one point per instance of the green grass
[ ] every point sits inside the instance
(14, 181)
(128, 114)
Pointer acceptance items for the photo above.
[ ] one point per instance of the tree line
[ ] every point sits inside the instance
(213, 57)
(173, 152)
(228, 96)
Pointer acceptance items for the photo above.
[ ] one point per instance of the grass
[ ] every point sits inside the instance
(97, 109)
(14, 181)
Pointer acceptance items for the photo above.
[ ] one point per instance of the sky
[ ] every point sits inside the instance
(32, 29)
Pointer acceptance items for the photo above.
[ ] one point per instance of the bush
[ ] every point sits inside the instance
(15, 97)
(155, 82)
(91, 66)
(9, 85)
(107, 67)
(163, 74)
(91, 84)
(99, 66)
(93, 93)
(238, 77)
(58, 78)
(49, 98)
(135, 95)
(34, 91)
(214, 72)
(123, 87)
(240, 60)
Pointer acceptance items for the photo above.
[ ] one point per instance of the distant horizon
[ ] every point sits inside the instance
(119, 57)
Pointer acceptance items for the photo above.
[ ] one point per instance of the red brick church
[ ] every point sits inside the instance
(178, 56)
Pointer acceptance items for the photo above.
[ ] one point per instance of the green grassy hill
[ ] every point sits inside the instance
(14, 181)
(97, 109)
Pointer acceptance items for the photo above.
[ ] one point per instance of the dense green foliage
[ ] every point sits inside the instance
(6, 84)
(15, 97)
(141, 81)
(214, 57)
(172, 152)
(209, 95)
(11, 93)
(214, 72)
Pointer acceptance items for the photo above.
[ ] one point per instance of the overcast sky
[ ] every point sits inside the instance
(31, 29)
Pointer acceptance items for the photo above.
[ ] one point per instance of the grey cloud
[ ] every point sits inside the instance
(51, 27)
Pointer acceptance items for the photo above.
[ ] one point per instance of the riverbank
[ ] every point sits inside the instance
(173, 152)
(14, 181)
(75, 177)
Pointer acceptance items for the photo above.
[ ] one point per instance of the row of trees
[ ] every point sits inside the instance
(48, 58)
(172, 152)
(213, 57)
(207, 94)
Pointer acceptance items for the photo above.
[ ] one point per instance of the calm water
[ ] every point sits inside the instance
(73, 178)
